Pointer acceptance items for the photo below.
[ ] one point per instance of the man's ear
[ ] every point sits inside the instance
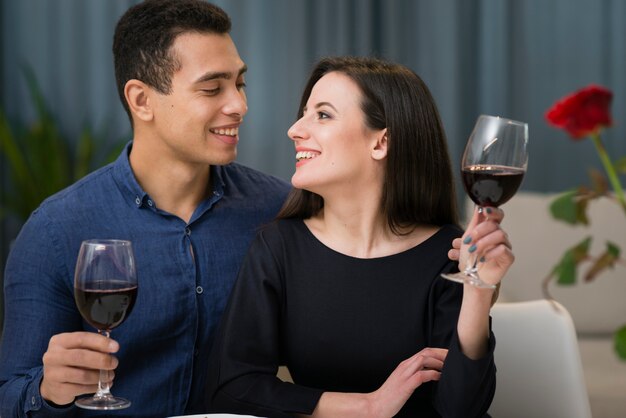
(137, 95)
(379, 151)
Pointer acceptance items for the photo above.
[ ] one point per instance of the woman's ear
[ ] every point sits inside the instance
(137, 95)
(379, 151)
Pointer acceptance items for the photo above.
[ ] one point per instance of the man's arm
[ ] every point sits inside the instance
(39, 304)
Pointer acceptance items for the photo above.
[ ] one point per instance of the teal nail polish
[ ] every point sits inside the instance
(467, 240)
(489, 210)
(482, 259)
(472, 248)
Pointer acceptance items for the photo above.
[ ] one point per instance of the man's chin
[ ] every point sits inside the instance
(224, 159)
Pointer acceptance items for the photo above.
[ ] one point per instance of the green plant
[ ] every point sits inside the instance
(40, 160)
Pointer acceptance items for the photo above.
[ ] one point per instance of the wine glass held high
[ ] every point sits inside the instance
(105, 288)
(492, 168)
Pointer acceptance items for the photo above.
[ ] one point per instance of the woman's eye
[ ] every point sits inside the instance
(323, 115)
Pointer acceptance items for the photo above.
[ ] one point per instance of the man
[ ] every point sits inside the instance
(175, 193)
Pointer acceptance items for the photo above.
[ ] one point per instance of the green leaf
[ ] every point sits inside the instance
(620, 342)
(613, 249)
(83, 154)
(10, 148)
(568, 207)
(606, 260)
(565, 270)
(40, 160)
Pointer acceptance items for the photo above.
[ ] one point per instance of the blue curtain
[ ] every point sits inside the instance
(504, 57)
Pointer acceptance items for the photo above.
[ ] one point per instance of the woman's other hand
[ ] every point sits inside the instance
(422, 367)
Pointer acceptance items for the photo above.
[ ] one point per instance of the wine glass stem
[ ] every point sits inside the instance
(472, 267)
(104, 383)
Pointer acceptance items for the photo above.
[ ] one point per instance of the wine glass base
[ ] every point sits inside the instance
(102, 403)
(468, 278)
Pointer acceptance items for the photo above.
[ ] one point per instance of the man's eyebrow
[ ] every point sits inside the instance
(213, 75)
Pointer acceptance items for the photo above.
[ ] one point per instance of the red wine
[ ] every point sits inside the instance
(491, 185)
(107, 305)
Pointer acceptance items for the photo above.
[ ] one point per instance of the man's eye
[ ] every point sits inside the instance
(211, 92)
(241, 86)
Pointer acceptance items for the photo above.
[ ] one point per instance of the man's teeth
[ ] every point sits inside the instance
(305, 155)
(229, 132)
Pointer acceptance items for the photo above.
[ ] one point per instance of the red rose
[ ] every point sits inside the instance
(582, 113)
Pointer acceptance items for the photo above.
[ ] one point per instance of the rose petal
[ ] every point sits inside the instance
(583, 112)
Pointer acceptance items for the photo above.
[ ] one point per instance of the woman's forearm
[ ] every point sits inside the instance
(335, 404)
(473, 324)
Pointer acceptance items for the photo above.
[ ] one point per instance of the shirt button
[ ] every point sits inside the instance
(32, 400)
(199, 290)
(150, 203)
(137, 201)
(187, 231)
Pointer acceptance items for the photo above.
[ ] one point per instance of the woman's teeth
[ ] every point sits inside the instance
(229, 132)
(305, 155)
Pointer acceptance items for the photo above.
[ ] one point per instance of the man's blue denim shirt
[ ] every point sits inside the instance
(185, 274)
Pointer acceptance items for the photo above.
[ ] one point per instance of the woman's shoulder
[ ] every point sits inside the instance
(282, 229)
(437, 235)
(280, 239)
(450, 231)
(437, 245)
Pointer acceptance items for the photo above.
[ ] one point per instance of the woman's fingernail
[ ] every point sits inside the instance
(482, 259)
(472, 248)
(489, 210)
(467, 240)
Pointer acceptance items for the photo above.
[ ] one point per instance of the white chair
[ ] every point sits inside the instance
(597, 308)
(539, 373)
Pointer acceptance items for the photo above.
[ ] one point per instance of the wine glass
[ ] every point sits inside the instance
(492, 168)
(105, 288)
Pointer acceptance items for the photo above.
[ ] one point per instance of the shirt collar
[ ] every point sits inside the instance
(137, 197)
(125, 178)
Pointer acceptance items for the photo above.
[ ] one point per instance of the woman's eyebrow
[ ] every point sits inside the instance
(322, 104)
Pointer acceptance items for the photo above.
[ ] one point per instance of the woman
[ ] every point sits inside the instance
(345, 287)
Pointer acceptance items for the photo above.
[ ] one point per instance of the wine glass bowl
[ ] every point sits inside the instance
(492, 169)
(491, 185)
(105, 288)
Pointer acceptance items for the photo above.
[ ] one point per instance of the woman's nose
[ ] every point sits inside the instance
(296, 131)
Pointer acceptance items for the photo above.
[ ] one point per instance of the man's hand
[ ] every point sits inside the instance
(72, 364)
